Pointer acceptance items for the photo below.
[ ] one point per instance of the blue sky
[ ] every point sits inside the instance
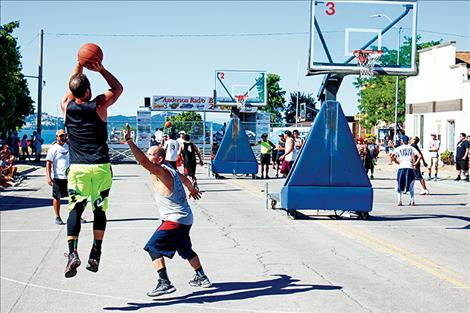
(150, 65)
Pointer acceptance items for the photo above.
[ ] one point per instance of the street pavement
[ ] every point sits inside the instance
(403, 259)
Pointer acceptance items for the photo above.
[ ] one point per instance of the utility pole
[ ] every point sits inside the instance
(39, 120)
(396, 87)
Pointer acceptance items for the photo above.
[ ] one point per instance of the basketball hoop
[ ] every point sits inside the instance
(367, 60)
(241, 101)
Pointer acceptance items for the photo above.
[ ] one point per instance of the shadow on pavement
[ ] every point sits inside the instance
(12, 203)
(132, 219)
(389, 218)
(221, 190)
(230, 291)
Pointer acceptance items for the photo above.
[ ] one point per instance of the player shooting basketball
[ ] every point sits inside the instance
(90, 169)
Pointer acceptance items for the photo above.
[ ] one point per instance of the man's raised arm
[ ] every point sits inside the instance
(112, 94)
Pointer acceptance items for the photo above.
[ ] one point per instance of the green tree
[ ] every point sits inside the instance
(276, 101)
(190, 122)
(377, 94)
(15, 102)
(309, 101)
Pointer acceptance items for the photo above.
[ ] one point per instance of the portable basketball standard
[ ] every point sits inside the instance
(89, 53)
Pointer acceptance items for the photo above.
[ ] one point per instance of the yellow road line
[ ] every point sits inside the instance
(432, 268)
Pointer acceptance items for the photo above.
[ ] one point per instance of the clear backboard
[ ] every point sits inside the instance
(339, 28)
(230, 84)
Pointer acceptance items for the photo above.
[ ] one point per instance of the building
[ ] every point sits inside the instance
(438, 98)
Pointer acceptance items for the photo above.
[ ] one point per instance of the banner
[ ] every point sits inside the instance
(191, 103)
(144, 130)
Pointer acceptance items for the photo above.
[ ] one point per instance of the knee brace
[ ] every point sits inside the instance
(73, 221)
(99, 221)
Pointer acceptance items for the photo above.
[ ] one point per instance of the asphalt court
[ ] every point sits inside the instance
(404, 259)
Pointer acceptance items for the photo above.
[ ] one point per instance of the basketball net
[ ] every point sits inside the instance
(367, 59)
(241, 101)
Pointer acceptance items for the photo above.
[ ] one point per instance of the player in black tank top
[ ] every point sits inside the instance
(89, 174)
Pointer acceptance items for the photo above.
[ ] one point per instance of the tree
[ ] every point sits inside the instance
(291, 107)
(189, 122)
(377, 94)
(276, 101)
(15, 102)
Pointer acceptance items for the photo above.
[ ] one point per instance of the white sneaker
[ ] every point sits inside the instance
(425, 192)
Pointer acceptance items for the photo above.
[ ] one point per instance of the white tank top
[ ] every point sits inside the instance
(172, 148)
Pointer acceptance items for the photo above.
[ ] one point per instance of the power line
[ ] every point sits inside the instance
(226, 35)
(183, 35)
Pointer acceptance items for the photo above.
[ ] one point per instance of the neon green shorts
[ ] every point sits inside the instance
(89, 180)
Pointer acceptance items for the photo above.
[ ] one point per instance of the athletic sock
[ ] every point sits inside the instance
(97, 244)
(399, 195)
(162, 274)
(200, 272)
(72, 245)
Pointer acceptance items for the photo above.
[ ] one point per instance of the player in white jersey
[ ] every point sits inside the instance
(407, 157)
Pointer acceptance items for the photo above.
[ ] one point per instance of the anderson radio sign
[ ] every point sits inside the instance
(190, 103)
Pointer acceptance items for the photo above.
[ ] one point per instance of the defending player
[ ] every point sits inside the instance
(177, 218)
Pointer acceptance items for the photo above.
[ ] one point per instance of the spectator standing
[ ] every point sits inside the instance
(288, 156)
(24, 148)
(281, 148)
(153, 141)
(434, 145)
(158, 135)
(299, 142)
(461, 157)
(57, 163)
(265, 157)
(371, 154)
(38, 141)
(418, 174)
(15, 149)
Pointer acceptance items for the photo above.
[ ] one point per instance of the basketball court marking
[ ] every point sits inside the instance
(148, 300)
(411, 258)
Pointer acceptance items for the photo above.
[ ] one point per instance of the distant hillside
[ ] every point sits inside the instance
(118, 121)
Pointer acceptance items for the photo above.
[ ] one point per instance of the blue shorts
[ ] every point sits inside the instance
(405, 177)
(170, 237)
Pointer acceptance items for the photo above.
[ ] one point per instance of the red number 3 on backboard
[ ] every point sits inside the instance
(331, 8)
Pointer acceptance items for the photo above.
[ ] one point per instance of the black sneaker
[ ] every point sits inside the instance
(200, 281)
(457, 178)
(82, 220)
(466, 179)
(72, 264)
(163, 287)
(94, 260)
(59, 221)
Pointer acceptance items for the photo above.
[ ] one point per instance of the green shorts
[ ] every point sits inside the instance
(89, 180)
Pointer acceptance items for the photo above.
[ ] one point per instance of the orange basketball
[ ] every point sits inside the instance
(89, 53)
(168, 124)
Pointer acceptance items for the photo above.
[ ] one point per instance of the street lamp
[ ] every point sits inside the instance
(398, 64)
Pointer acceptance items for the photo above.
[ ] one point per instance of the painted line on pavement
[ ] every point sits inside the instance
(203, 306)
(418, 261)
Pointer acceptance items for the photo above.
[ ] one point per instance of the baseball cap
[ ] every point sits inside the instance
(182, 132)
(60, 132)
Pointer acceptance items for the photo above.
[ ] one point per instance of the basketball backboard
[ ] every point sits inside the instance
(338, 28)
(232, 83)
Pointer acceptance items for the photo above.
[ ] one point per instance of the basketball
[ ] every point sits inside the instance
(89, 53)
(168, 124)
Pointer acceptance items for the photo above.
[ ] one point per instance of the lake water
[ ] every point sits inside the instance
(47, 134)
